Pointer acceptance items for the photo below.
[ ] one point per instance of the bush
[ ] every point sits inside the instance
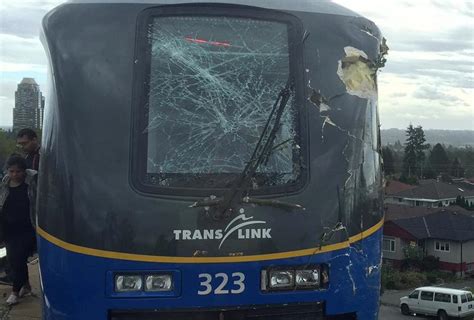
(410, 180)
(433, 277)
(390, 278)
(412, 279)
(393, 279)
(430, 263)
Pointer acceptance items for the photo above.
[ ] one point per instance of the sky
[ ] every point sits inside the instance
(427, 81)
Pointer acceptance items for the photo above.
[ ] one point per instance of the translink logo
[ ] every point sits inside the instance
(240, 226)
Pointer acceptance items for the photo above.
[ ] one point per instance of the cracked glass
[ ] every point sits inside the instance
(212, 84)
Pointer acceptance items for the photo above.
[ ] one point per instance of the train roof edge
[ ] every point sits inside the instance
(324, 7)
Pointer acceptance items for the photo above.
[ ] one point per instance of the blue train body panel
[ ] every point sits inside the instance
(354, 274)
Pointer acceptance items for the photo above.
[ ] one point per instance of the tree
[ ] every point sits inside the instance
(388, 161)
(414, 156)
(397, 146)
(428, 171)
(456, 169)
(464, 203)
(409, 158)
(7, 146)
(439, 160)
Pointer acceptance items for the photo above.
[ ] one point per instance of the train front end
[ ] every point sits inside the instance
(215, 160)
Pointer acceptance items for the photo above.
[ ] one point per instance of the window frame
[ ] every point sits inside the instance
(437, 294)
(429, 292)
(417, 294)
(392, 241)
(442, 246)
(139, 143)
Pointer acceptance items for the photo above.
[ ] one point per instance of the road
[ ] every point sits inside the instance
(390, 300)
(393, 313)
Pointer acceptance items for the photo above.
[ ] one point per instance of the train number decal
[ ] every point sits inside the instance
(223, 286)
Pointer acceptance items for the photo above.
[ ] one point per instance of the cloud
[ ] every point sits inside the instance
(451, 39)
(21, 50)
(432, 93)
(450, 70)
(22, 4)
(440, 44)
(22, 67)
(22, 22)
(416, 64)
(7, 101)
(428, 114)
(430, 102)
(398, 95)
(459, 7)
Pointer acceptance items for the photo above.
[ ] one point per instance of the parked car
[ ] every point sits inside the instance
(440, 302)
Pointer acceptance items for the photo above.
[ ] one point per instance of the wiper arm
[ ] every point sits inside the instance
(260, 154)
(213, 202)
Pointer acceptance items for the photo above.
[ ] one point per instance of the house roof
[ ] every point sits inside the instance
(435, 190)
(464, 184)
(441, 224)
(394, 186)
(397, 212)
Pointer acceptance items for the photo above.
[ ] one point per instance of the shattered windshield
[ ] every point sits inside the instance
(212, 85)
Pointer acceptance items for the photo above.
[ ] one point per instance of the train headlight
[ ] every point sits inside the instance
(282, 279)
(307, 278)
(128, 283)
(158, 282)
(294, 278)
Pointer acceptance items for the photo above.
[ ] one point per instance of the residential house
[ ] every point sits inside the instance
(430, 193)
(446, 233)
(395, 186)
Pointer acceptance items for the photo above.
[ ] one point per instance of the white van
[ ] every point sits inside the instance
(441, 302)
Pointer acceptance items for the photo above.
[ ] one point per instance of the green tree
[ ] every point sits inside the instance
(428, 171)
(463, 202)
(456, 170)
(7, 146)
(438, 160)
(414, 156)
(388, 161)
(397, 146)
(409, 157)
(465, 156)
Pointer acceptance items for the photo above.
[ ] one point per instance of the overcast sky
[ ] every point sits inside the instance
(428, 79)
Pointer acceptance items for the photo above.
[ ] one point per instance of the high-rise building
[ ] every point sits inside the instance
(29, 106)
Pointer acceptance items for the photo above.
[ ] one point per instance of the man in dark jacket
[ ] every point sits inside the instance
(28, 141)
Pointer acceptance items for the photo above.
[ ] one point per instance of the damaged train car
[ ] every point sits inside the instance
(210, 160)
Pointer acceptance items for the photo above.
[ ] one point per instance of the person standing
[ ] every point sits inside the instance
(17, 204)
(28, 141)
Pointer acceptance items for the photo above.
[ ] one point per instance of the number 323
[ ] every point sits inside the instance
(206, 287)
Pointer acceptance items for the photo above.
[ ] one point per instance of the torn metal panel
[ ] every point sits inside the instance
(357, 73)
(319, 100)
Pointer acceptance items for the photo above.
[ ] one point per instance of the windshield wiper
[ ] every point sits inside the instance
(260, 155)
